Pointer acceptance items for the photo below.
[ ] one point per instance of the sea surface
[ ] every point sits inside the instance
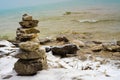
(101, 14)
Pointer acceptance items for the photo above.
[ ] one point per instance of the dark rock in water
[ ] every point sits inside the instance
(29, 24)
(97, 42)
(63, 50)
(118, 43)
(29, 46)
(47, 49)
(38, 54)
(44, 41)
(28, 67)
(62, 38)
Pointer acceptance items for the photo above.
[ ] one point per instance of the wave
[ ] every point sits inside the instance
(96, 21)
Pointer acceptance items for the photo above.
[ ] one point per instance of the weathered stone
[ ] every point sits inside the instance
(26, 17)
(38, 54)
(29, 46)
(97, 48)
(29, 24)
(28, 67)
(62, 38)
(97, 42)
(65, 49)
(44, 41)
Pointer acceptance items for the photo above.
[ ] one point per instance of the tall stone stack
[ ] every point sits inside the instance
(31, 57)
(27, 31)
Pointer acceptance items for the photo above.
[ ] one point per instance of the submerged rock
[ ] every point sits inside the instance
(62, 38)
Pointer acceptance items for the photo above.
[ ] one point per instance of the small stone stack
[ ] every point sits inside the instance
(31, 57)
(27, 31)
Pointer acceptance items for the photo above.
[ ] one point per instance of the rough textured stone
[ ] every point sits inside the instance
(29, 46)
(28, 67)
(65, 49)
(29, 24)
(30, 54)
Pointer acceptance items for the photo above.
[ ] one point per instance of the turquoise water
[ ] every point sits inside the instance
(9, 18)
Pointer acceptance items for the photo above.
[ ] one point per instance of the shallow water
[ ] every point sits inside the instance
(99, 17)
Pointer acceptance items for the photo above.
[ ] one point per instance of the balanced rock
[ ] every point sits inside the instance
(28, 67)
(26, 17)
(27, 31)
(29, 46)
(37, 54)
(29, 24)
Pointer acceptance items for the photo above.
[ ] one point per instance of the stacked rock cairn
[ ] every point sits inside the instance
(31, 57)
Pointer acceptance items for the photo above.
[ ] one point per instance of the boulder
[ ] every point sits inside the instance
(38, 54)
(29, 46)
(65, 49)
(28, 67)
(29, 24)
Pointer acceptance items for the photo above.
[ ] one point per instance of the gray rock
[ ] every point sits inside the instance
(29, 46)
